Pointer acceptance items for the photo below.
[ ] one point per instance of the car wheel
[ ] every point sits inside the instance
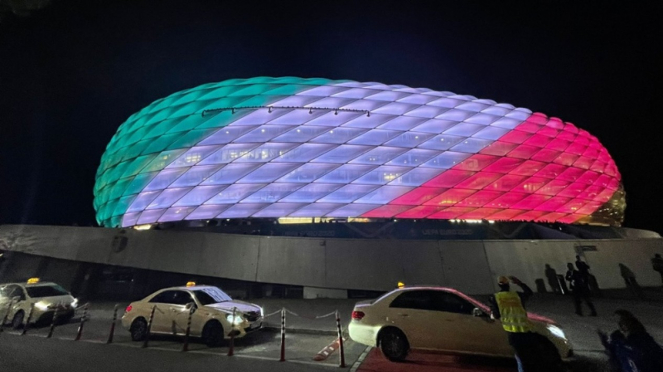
(138, 330)
(17, 321)
(393, 344)
(212, 333)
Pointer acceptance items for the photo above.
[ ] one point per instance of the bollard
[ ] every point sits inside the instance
(185, 347)
(83, 320)
(231, 349)
(149, 327)
(55, 317)
(282, 335)
(4, 319)
(340, 341)
(112, 327)
(27, 322)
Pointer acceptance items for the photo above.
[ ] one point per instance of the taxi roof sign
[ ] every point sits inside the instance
(190, 284)
(33, 280)
(401, 284)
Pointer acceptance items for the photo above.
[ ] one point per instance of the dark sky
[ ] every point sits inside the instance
(72, 73)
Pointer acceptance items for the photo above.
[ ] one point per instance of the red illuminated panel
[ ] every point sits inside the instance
(531, 184)
(515, 136)
(479, 181)
(598, 166)
(419, 212)
(555, 123)
(572, 206)
(498, 148)
(449, 178)
(418, 196)
(591, 192)
(589, 177)
(605, 195)
(583, 162)
(505, 215)
(571, 174)
(553, 204)
(566, 136)
(551, 171)
(553, 187)
(590, 208)
(480, 198)
(504, 165)
(575, 148)
(550, 217)
(450, 213)
(538, 118)
(475, 162)
(531, 202)
(507, 182)
(546, 155)
(548, 131)
(566, 159)
(530, 126)
(558, 144)
(386, 211)
(538, 140)
(570, 128)
(524, 152)
(573, 190)
(450, 197)
(479, 214)
(530, 216)
(528, 168)
(506, 200)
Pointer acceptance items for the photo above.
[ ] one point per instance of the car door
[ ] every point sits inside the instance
(179, 312)
(163, 315)
(5, 300)
(474, 334)
(415, 314)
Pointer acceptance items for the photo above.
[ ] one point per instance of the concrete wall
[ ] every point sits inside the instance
(470, 265)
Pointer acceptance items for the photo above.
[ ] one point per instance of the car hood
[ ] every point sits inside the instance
(227, 306)
(540, 318)
(63, 300)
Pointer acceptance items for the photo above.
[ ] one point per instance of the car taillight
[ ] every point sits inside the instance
(357, 315)
(128, 309)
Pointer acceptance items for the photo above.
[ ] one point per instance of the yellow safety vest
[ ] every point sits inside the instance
(513, 314)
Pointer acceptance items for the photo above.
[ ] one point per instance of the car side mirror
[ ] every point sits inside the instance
(477, 312)
(190, 307)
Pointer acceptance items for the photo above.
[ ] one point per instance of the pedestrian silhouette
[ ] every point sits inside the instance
(580, 290)
(657, 264)
(553, 281)
(629, 279)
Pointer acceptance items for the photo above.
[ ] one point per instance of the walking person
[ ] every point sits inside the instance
(657, 264)
(580, 290)
(507, 306)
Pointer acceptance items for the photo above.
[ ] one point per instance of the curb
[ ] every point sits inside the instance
(304, 331)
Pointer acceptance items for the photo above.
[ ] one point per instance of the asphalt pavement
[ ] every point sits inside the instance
(311, 327)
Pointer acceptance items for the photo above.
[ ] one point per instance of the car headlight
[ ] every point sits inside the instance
(74, 303)
(41, 306)
(555, 330)
(237, 320)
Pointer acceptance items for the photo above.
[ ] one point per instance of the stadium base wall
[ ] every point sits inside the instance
(335, 264)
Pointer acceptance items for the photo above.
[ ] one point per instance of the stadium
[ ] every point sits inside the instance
(336, 188)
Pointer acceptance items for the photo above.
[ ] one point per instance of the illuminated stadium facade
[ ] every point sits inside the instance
(306, 148)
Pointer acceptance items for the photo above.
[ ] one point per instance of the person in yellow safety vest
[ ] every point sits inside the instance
(508, 307)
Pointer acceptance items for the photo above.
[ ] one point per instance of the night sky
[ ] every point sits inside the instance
(71, 73)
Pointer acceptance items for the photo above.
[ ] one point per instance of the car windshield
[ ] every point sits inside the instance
(46, 291)
(211, 295)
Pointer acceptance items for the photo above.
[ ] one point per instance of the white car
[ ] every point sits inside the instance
(440, 319)
(212, 317)
(46, 297)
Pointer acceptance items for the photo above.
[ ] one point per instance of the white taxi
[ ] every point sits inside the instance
(16, 299)
(441, 319)
(211, 319)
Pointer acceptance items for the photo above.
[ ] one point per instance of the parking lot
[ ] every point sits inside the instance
(306, 337)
